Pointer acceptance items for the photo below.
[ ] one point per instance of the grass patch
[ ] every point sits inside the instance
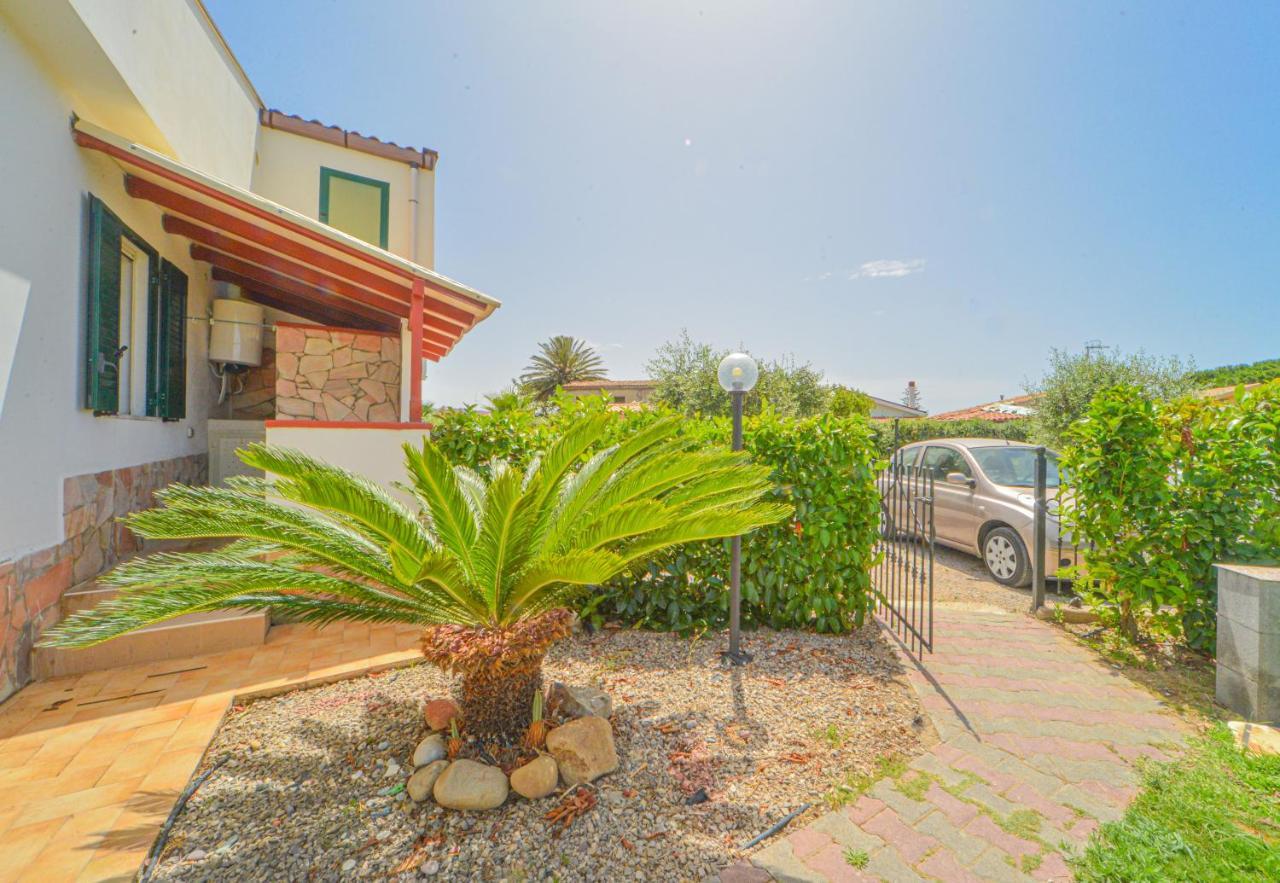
(1024, 823)
(856, 858)
(1030, 862)
(913, 788)
(1213, 814)
(831, 735)
(854, 785)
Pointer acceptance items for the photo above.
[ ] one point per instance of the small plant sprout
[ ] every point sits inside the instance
(454, 745)
(856, 858)
(536, 736)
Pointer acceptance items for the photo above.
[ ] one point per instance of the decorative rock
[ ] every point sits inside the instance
(583, 749)
(537, 778)
(575, 702)
(439, 712)
(424, 780)
(429, 749)
(466, 784)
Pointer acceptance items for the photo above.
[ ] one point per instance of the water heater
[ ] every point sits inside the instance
(235, 337)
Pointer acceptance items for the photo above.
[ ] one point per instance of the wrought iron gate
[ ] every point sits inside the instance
(902, 578)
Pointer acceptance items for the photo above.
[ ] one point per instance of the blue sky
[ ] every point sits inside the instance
(891, 191)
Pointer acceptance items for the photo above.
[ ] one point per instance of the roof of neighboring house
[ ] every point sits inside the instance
(352, 140)
(1222, 393)
(898, 406)
(1001, 411)
(609, 384)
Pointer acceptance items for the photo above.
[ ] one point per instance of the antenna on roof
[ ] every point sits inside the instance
(1093, 345)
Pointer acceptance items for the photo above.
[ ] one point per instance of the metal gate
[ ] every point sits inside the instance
(902, 578)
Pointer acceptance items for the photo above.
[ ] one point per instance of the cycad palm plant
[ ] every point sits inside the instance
(486, 565)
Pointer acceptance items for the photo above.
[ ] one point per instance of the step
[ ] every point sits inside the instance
(193, 634)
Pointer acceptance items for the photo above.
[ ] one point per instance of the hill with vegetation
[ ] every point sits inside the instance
(1230, 375)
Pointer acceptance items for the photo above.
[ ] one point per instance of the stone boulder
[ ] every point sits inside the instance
(468, 784)
(583, 749)
(575, 702)
(537, 778)
(429, 749)
(424, 780)
(439, 712)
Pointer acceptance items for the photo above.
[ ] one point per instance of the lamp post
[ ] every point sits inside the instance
(738, 374)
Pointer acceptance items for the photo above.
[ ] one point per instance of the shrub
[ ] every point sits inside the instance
(810, 572)
(1163, 490)
(921, 429)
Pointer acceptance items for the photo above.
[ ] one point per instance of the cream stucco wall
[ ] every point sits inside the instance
(153, 71)
(45, 434)
(375, 453)
(288, 172)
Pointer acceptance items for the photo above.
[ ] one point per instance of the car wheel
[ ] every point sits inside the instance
(888, 530)
(1006, 558)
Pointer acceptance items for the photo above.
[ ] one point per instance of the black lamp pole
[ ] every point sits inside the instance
(736, 655)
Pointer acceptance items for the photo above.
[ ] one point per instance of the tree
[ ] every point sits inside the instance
(560, 360)
(685, 372)
(848, 402)
(1072, 381)
(911, 396)
(486, 565)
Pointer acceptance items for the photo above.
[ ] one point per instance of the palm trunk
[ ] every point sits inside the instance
(497, 702)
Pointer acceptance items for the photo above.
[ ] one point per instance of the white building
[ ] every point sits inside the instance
(144, 180)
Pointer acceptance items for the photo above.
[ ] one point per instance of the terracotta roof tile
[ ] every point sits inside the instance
(352, 140)
(1002, 411)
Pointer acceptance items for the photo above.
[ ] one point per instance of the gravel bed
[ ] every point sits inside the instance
(307, 791)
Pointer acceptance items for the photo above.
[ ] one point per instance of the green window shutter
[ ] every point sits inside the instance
(169, 344)
(102, 350)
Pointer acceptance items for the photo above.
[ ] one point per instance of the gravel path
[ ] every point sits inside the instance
(962, 580)
(307, 791)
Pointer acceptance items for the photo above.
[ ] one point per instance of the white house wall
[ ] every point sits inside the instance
(45, 434)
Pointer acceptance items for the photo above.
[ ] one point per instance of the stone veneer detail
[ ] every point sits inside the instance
(255, 395)
(337, 374)
(31, 586)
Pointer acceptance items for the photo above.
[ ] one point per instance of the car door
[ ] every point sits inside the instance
(954, 505)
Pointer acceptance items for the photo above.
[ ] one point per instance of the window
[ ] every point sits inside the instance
(355, 205)
(135, 361)
(941, 461)
(1015, 467)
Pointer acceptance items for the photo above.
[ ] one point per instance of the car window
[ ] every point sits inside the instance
(906, 456)
(940, 461)
(1015, 467)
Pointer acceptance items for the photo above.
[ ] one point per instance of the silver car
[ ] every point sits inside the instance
(984, 503)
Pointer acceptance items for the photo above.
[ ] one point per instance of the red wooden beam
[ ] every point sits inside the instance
(141, 188)
(292, 305)
(266, 280)
(274, 262)
(415, 352)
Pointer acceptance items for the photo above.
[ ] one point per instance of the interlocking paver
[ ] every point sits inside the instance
(1028, 721)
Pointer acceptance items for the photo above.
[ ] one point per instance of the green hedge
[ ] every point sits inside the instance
(922, 428)
(1166, 489)
(811, 572)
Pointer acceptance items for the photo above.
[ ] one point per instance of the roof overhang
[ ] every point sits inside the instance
(284, 259)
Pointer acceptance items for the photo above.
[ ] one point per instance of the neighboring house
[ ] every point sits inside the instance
(620, 392)
(146, 186)
(1000, 411)
(885, 409)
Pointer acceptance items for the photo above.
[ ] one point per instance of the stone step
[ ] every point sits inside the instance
(194, 634)
(84, 596)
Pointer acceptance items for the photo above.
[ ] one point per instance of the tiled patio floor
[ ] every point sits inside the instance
(1038, 744)
(91, 765)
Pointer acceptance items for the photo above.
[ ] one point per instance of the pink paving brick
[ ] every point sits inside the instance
(807, 841)
(864, 809)
(1133, 752)
(1024, 794)
(943, 865)
(1067, 749)
(998, 781)
(958, 812)
(910, 844)
(1052, 867)
(830, 863)
(989, 831)
(1116, 795)
(1084, 827)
